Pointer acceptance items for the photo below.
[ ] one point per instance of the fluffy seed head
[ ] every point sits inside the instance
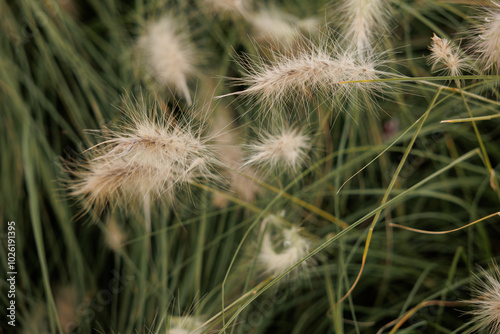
(486, 42)
(297, 77)
(276, 259)
(227, 7)
(486, 304)
(272, 26)
(185, 325)
(169, 54)
(445, 54)
(151, 156)
(287, 149)
(362, 21)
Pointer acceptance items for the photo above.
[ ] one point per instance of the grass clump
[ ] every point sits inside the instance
(347, 183)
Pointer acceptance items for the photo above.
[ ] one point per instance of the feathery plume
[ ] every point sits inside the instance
(361, 21)
(486, 304)
(227, 7)
(279, 29)
(151, 156)
(185, 325)
(311, 70)
(486, 42)
(169, 54)
(442, 52)
(277, 260)
(286, 149)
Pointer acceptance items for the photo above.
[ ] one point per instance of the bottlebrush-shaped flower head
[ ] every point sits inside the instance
(274, 27)
(295, 78)
(486, 41)
(362, 22)
(227, 7)
(288, 148)
(169, 54)
(154, 155)
(447, 56)
(276, 258)
(486, 302)
(185, 325)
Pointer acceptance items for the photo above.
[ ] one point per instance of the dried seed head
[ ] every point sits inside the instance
(276, 260)
(185, 325)
(287, 149)
(363, 21)
(169, 54)
(486, 42)
(227, 7)
(295, 78)
(486, 302)
(279, 29)
(152, 156)
(446, 55)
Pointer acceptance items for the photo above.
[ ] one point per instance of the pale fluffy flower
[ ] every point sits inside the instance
(169, 54)
(272, 26)
(227, 7)
(486, 304)
(363, 21)
(288, 149)
(446, 55)
(151, 156)
(486, 42)
(276, 259)
(312, 70)
(279, 29)
(185, 325)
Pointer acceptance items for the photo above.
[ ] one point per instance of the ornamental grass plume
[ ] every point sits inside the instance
(277, 28)
(227, 7)
(313, 70)
(447, 56)
(185, 325)
(486, 302)
(286, 149)
(154, 155)
(278, 255)
(169, 54)
(486, 40)
(362, 22)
